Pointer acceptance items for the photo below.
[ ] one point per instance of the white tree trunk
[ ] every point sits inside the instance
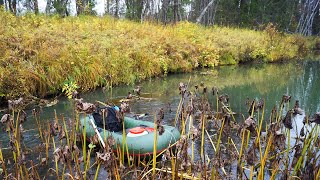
(198, 20)
(308, 13)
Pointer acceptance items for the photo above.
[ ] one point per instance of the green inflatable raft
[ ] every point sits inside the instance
(139, 135)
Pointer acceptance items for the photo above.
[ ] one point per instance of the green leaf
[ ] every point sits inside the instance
(91, 146)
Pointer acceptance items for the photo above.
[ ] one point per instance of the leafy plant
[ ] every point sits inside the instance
(69, 87)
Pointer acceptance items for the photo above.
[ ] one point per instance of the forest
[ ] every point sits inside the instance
(290, 16)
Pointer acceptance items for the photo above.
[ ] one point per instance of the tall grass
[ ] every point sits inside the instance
(39, 54)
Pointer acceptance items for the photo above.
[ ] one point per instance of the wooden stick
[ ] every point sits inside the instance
(96, 131)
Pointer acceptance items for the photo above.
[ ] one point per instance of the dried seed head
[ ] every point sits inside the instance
(161, 114)
(302, 132)
(286, 98)
(166, 156)
(194, 132)
(75, 94)
(5, 118)
(53, 130)
(204, 90)
(103, 156)
(137, 90)
(182, 88)
(316, 118)
(250, 124)
(94, 139)
(260, 104)
(287, 121)
(215, 91)
(224, 98)
(125, 107)
(15, 104)
(160, 129)
(253, 107)
(129, 96)
(110, 141)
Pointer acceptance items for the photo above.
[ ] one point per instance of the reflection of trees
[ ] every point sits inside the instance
(269, 81)
(264, 78)
(306, 87)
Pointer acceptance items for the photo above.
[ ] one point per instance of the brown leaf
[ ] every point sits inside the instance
(250, 124)
(67, 153)
(94, 139)
(76, 149)
(297, 154)
(85, 107)
(62, 134)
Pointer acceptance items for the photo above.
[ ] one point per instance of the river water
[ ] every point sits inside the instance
(301, 80)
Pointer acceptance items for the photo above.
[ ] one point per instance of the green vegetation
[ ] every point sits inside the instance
(39, 54)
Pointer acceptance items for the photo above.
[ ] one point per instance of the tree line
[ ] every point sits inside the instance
(292, 16)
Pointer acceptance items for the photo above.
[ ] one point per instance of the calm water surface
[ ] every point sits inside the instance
(267, 81)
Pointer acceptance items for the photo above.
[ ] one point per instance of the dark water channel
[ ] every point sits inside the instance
(268, 81)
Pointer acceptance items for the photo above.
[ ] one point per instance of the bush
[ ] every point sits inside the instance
(39, 53)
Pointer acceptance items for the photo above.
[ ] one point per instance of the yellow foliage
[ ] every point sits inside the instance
(39, 53)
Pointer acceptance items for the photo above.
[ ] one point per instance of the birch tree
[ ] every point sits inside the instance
(204, 11)
(164, 11)
(309, 9)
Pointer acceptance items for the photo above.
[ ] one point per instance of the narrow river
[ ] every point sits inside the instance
(267, 81)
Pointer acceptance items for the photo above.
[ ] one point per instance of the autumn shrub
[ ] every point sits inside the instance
(39, 53)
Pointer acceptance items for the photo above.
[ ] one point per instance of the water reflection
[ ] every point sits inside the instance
(267, 81)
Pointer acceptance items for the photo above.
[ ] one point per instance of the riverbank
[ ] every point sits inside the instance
(40, 54)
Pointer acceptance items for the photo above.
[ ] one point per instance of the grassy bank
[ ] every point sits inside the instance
(39, 54)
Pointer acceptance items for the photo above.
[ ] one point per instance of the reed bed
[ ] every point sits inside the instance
(229, 145)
